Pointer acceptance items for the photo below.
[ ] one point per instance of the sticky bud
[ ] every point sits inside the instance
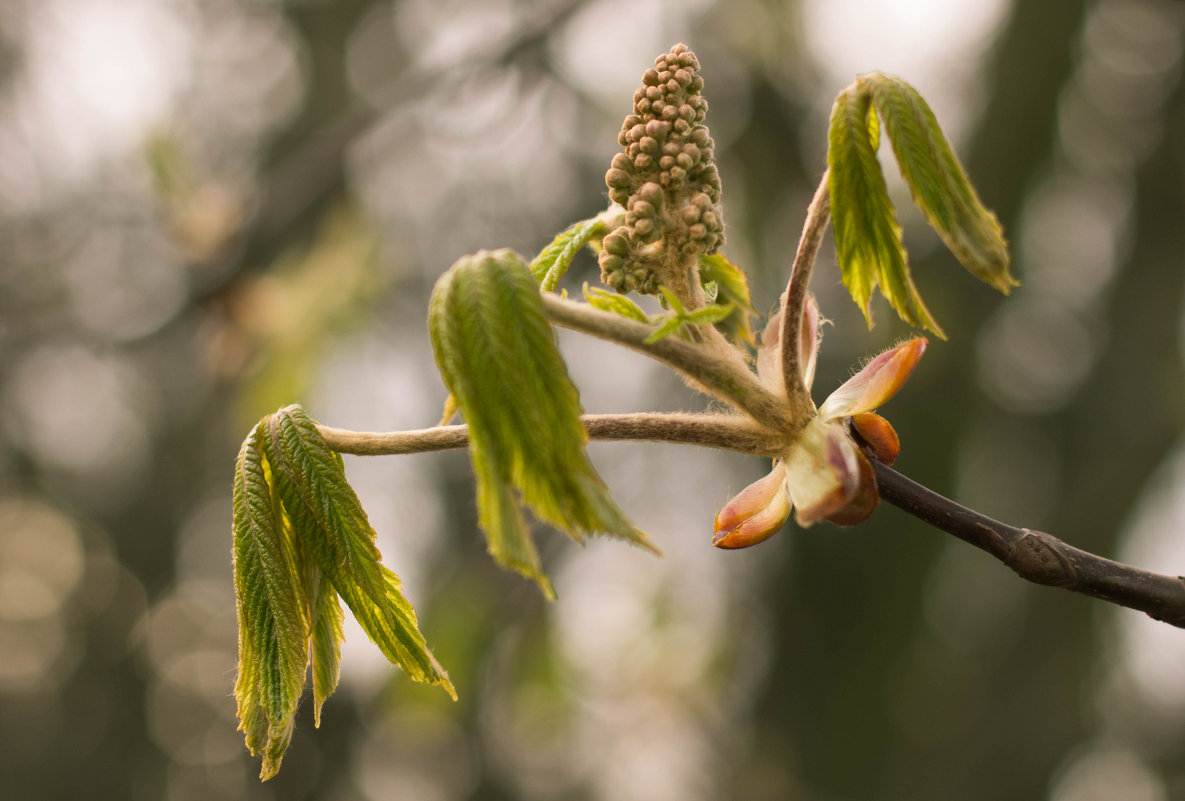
(863, 500)
(880, 380)
(877, 436)
(755, 514)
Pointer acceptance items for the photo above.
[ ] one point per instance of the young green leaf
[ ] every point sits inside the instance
(614, 302)
(678, 318)
(322, 606)
(449, 411)
(330, 522)
(555, 259)
(937, 181)
(671, 301)
(671, 323)
(327, 636)
(497, 354)
(709, 315)
(273, 622)
(732, 287)
(867, 237)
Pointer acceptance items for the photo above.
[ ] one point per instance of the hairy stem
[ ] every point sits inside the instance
(1037, 556)
(681, 278)
(1033, 555)
(818, 214)
(691, 295)
(723, 375)
(728, 432)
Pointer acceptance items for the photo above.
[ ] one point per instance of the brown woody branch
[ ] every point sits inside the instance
(1033, 555)
(1039, 557)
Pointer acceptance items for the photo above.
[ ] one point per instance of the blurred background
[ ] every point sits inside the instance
(212, 208)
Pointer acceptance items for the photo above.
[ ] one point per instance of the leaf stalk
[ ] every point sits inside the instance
(818, 215)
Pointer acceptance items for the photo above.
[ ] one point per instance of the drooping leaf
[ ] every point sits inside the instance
(497, 354)
(322, 605)
(867, 237)
(330, 522)
(326, 641)
(273, 623)
(508, 538)
(937, 181)
(555, 259)
(614, 302)
(732, 288)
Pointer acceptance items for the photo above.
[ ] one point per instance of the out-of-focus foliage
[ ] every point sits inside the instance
(164, 163)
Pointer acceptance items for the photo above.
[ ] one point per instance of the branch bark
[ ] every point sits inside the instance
(1034, 555)
(1039, 557)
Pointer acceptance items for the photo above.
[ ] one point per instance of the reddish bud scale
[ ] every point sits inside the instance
(877, 436)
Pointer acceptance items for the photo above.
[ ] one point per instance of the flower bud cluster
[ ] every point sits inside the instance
(666, 179)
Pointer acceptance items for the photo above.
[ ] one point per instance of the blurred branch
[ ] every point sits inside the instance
(310, 170)
(1034, 555)
(1039, 557)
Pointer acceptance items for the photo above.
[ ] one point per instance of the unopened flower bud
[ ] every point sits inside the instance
(755, 514)
(651, 193)
(617, 243)
(665, 177)
(880, 380)
(877, 436)
(641, 208)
